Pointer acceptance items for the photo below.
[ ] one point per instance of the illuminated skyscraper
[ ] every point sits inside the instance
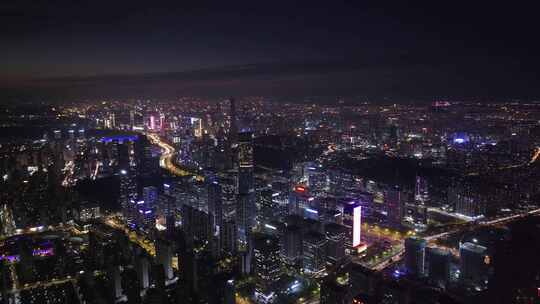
(245, 204)
(267, 266)
(335, 235)
(233, 129)
(150, 195)
(314, 252)
(128, 194)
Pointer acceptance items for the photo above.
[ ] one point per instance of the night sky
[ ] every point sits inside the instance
(397, 50)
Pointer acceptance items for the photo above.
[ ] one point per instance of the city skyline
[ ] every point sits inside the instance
(269, 152)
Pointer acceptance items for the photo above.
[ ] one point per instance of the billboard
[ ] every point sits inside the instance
(357, 222)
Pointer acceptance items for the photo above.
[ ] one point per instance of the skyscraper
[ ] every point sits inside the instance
(128, 194)
(245, 203)
(267, 266)
(233, 129)
(438, 266)
(474, 262)
(335, 235)
(164, 252)
(314, 252)
(415, 252)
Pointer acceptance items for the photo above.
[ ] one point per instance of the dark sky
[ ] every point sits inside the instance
(392, 49)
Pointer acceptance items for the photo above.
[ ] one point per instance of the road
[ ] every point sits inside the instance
(398, 255)
(535, 156)
(133, 236)
(166, 161)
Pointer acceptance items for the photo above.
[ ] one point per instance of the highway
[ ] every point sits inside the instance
(166, 161)
(535, 156)
(398, 255)
(133, 236)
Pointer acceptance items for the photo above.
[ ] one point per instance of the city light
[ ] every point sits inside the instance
(357, 224)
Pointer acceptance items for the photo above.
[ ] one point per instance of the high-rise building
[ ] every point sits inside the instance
(245, 205)
(266, 206)
(314, 252)
(438, 266)
(266, 264)
(142, 266)
(164, 252)
(233, 128)
(150, 195)
(335, 249)
(215, 208)
(299, 202)
(292, 245)
(128, 194)
(474, 261)
(131, 119)
(415, 253)
(196, 223)
(394, 201)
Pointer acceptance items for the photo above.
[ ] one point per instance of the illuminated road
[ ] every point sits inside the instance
(45, 284)
(133, 236)
(397, 255)
(535, 156)
(166, 160)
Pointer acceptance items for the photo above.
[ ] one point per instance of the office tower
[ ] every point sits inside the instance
(394, 202)
(161, 121)
(128, 194)
(318, 182)
(267, 208)
(164, 252)
(131, 119)
(421, 193)
(299, 200)
(148, 162)
(150, 195)
(142, 266)
(438, 266)
(196, 223)
(415, 252)
(215, 208)
(266, 265)
(292, 245)
(227, 236)
(474, 261)
(245, 255)
(245, 207)
(314, 252)
(233, 128)
(112, 118)
(335, 235)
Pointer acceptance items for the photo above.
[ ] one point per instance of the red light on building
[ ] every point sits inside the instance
(300, 189)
